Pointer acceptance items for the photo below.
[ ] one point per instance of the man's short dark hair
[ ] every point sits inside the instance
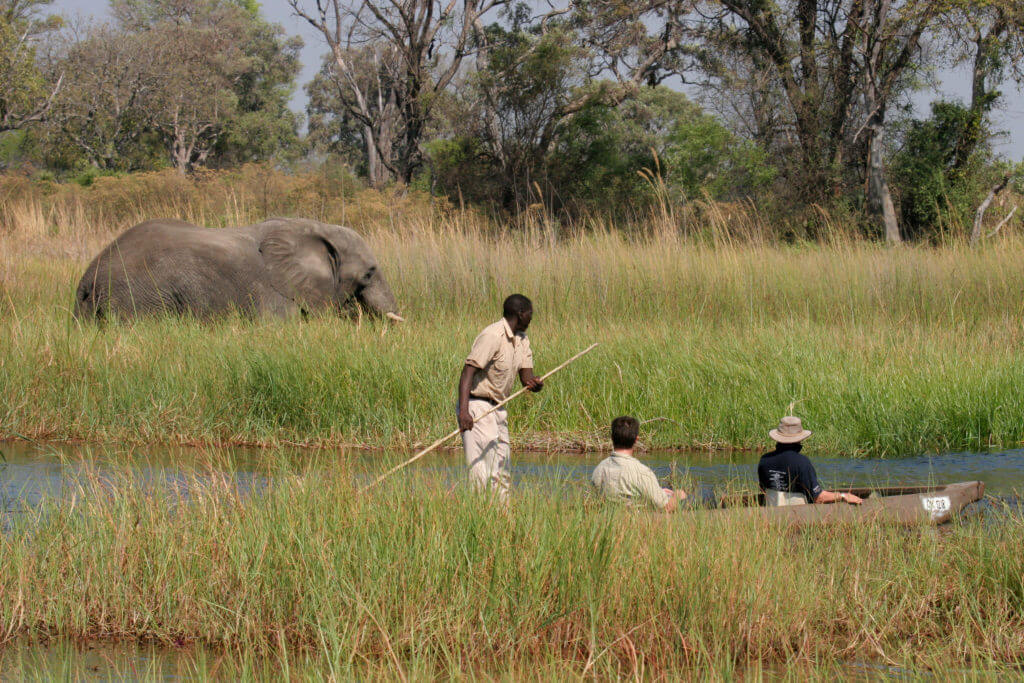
(625, 430)
(516, 304)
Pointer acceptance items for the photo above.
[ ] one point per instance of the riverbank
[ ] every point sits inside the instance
(420, 581)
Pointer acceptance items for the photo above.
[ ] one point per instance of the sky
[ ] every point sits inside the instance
(1009, 118)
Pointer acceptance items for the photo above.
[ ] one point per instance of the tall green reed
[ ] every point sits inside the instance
(430, 581)
(885, 352)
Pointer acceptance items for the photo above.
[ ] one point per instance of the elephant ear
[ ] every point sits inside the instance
(302, 265)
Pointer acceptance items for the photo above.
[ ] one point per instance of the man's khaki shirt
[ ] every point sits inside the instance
(498, 355)
(623, 478)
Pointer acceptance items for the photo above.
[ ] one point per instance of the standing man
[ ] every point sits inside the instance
(787, 476)
(499, 354)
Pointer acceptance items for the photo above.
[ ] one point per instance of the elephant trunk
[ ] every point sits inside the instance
(377, 297)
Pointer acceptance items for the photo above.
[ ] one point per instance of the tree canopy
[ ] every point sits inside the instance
(793, 104)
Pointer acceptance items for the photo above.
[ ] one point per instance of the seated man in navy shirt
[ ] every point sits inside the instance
(787, 477)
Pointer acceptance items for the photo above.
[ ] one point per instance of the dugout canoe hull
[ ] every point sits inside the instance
(923, 505)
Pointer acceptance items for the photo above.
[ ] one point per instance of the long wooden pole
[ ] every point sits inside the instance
(457, 432)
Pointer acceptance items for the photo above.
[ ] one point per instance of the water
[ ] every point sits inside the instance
(61, 660)
(29, 472)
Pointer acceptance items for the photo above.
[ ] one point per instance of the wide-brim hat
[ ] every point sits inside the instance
(790, 430)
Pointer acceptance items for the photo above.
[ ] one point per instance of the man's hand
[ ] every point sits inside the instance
(678, 494)
(529, 381)
(851, 499)
(465, 420)
(674, 498)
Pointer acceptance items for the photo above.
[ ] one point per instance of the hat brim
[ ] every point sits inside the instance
(789, 438)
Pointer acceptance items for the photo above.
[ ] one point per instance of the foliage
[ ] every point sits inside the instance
(517, 108)
(657, 141)
(940, 169)
(391, 64)
(24, 88)
(683, 303)
(418, 581)
(12, 147)
(103, 116)
(332, 129)
(497, 131)
(264, 126)
(460, 167)
(606, 158)
(186, 83)
(704, 157)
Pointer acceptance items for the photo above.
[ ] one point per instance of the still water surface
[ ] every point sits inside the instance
(29, 472)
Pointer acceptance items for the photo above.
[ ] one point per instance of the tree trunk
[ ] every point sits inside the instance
(879, 198)
(180, 152)
(979, 215)
(375, 171)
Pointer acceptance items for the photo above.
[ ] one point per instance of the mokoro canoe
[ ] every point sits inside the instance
(751, 498)
(898, 505)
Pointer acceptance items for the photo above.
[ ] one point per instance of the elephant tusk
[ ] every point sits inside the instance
(394, 316)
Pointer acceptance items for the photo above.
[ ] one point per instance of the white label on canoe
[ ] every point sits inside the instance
(936, 505)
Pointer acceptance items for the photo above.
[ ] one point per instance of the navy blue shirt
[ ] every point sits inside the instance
(787, 469)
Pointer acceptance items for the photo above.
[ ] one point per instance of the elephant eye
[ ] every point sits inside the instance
(369, 273)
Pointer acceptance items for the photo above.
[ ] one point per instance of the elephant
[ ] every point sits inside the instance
(280, 267)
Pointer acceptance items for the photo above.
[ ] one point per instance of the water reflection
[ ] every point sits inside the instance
(31, 472)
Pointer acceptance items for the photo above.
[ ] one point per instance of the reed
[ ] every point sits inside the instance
(421, 581)
(882, 351)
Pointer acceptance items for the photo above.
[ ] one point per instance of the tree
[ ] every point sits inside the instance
(198, 44)
(990, 37)
(198, 99)
(392, 60)
(839, 66)
(937, 171)
(264, 126)
(535, 74)
(331, 128)
(657, 144)
(25, 94)
(201, 78)
(519, 98)
(102, 116)
(615, 46)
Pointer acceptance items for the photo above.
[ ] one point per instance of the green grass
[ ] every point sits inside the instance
(418, 581)
(884, 352)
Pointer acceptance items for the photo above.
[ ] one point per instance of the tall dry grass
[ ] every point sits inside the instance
(32, 209)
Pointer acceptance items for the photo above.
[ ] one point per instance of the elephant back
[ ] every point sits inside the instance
(170, 266)
(118, 281)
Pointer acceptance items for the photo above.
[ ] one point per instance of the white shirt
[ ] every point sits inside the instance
(622, 477)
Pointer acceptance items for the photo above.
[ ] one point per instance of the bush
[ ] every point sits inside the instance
(611, 157)
(940, 173)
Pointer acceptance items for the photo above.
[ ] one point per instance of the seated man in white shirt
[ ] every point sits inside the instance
(622, 477)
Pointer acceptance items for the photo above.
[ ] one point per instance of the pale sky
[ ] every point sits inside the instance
(953, 84)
